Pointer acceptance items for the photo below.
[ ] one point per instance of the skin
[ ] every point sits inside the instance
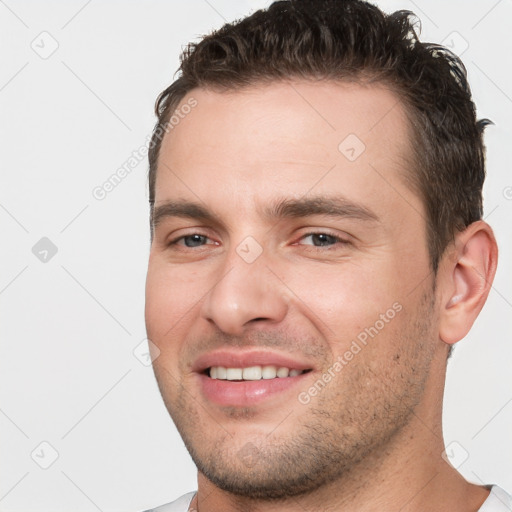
(371, 439)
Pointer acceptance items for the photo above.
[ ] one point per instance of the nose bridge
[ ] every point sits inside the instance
(245, 290)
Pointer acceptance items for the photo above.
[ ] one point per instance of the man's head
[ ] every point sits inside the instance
(326, 164)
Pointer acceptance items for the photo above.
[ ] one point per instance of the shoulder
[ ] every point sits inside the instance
(179, 505)
(498, 501)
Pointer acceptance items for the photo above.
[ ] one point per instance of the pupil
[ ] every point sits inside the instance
(194, 240)
(323, 239)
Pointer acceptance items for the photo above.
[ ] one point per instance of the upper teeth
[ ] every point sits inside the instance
(252, 372)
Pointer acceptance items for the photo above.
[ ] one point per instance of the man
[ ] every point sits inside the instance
(317, 249)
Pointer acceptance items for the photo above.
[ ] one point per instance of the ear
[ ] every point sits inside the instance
(467, 275)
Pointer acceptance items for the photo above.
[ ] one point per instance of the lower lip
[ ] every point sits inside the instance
(248, 392)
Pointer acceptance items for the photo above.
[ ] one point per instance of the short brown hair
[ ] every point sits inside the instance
(354, 40)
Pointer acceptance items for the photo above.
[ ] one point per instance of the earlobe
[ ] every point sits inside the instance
(467, 278)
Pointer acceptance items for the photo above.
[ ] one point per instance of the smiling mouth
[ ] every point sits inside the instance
(252, 373)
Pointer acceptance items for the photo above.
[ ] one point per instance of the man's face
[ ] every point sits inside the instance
(306, 250)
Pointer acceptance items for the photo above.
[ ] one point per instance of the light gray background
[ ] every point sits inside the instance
(69, 326)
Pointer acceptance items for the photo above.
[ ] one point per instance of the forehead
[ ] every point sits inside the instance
(287, 137)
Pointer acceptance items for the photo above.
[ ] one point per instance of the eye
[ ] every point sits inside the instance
(191, 241)
(322, 240)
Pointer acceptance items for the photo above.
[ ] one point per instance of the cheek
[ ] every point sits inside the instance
(171, 293)
(345, 298)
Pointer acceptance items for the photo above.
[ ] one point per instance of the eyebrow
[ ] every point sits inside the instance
(336, 207)
(183, 209)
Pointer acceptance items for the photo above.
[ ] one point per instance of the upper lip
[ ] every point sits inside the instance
(243, 359)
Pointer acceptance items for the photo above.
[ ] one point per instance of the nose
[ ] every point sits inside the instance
(244, 294)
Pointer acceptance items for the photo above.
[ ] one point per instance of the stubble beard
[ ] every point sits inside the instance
(352, 421)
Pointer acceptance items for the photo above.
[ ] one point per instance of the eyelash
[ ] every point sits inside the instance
(337, 240)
